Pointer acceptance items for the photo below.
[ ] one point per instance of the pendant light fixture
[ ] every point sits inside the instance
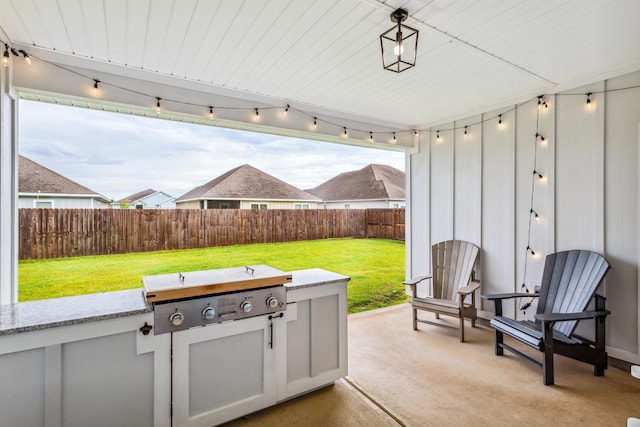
(399, 44)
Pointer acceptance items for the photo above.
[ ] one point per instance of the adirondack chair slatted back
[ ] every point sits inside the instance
(452, 264)
(569, 282)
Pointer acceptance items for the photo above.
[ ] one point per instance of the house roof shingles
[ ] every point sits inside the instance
(137, 196)
(246, 182)
(372, 182)
(35, 178)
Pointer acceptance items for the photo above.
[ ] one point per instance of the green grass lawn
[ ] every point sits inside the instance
(376, 268)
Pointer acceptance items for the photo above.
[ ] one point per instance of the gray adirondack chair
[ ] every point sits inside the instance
(452, 281)
(569, 283)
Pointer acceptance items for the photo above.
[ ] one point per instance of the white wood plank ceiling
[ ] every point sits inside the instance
(472, 55)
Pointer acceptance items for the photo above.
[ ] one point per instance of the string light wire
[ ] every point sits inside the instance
(540, 99)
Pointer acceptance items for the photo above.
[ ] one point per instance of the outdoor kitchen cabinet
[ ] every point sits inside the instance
(224, 371)
(316, 350)
(227, 370)
(100, 360)
(104, 373)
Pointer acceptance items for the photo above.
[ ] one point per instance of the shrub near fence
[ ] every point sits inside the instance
(57, 233)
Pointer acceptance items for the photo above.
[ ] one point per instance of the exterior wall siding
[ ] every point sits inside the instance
(366, 204)
(481, 187)
(246, 204)
(62, 202)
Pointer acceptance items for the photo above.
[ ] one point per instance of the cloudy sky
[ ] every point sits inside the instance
(117, 155)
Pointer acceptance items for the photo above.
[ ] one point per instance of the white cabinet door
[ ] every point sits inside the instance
(316, 352)
(104, 373)
(224, 371)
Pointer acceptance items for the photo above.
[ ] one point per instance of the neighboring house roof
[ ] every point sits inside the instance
(35, 178)
(246, 182)
(137, 196)
(372, 182)
(149, 198)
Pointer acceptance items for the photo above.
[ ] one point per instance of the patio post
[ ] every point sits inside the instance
(8, 186)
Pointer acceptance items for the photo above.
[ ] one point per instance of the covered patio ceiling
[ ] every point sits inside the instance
(324, 56)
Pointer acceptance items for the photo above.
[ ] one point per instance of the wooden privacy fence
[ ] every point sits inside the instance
(57, 233)
(385, 223)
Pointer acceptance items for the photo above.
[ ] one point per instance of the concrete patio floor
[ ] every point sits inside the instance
(398, 376)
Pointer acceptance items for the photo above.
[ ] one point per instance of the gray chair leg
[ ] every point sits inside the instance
(415, 319)
(547, 365)
(461, 328)
(499, 342)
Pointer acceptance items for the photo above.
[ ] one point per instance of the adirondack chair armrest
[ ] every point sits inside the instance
(493, 297)
(415, 280)
(466, 290)
(561, 317)
(497, 299)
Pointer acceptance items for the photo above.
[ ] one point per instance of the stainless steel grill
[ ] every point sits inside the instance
(186, 300)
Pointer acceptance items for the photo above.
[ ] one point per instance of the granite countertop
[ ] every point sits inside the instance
(56, 312)
(313, 277)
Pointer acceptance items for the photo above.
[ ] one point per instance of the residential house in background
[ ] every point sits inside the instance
(40, 187)
(246, 187)
(373, 186)
(148, 199)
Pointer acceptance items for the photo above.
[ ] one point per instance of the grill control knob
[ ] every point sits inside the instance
(272, 302)
(246, 306)
(176, 318)
(208, 313)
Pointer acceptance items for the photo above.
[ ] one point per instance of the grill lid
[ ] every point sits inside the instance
(174, 286)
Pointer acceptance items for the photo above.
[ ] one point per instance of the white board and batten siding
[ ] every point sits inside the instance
(478, 188)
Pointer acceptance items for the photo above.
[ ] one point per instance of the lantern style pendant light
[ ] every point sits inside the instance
(399, 44)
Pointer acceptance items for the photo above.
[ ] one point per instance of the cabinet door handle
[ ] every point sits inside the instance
(271, 317)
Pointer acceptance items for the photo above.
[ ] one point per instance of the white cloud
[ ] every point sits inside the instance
(117, 155)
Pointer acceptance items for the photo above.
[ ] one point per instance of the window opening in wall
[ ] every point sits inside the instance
(43, 204)
(129, 154)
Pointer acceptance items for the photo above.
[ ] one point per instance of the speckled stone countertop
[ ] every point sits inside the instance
(313, 277)
(56, 312)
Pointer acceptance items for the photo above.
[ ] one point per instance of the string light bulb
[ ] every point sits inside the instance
(542, 102)
(95, 87)
(210, 111)
(589, 99)
(438, 135)
(315, 122)
(345, 132)
(5, 56)
(542, 138)
(535, 214)
(465, 131)
(371, 136)
(499, 120)
(26, 56)
(394, 138)
(158, 105)
(257, 113)
(286, 109)
(530, 250)
(535, 172)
